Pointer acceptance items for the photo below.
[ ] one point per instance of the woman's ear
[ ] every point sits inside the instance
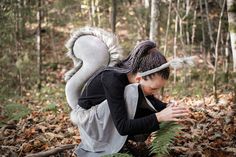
(138, 78)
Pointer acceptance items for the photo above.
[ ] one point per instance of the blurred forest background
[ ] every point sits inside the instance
(33, 108)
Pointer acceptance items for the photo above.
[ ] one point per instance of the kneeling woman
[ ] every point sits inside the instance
(118, 102)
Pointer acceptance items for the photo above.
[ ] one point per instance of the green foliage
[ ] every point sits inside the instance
(232, 8)
(64, 3)
(15, 111)
(232, 27)
(118, 155)
(164, 138)
(50, 107)
(52, 96)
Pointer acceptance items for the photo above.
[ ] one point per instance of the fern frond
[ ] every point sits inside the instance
(164, 137)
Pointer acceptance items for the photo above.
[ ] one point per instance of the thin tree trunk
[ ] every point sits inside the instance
(20, 18)
(154, 21)
(113, 17)
(216, 53)
(148, 13)
(203, 33)
(166, 38)
(92, 5)
(99, 14)
(175, 38)
(167, 27)
(38, 41)
(212, 47)
(231, 5)
(146, 3)
(231, 9)
(16, 40)
(227, 49)
(193, 28)
(181, 34)
(90, 12)
(187, 33)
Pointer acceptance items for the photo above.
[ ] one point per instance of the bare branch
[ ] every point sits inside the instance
(52, 151)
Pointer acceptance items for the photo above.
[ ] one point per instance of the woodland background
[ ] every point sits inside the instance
(33, 109)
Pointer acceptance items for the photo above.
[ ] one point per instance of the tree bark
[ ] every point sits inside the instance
(175, 37)
(38, 43)
(93, 17)
(167, 27)
(203, 33)
(216, 53)
(231, 5)
(113, 17)
(227, 51)
(194, 27)
(154, 21)
(212, 46)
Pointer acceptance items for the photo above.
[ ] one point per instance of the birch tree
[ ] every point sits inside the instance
(154, 21)
(167, 27)
(217, 53)
(203, 44)
(210, 32)
(231, 5)
(175, 38)
(38, 43)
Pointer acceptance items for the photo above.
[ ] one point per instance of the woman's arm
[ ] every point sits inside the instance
(114, 85)
(156, 103)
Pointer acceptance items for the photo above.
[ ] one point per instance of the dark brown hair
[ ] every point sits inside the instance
(145, 57)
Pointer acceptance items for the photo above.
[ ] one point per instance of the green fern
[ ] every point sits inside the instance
(118, 155)
(164, 137)
(15, 111)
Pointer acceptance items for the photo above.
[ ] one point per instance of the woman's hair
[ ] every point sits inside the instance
(145, 57)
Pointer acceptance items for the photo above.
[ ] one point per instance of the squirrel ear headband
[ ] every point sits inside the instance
(175, 63)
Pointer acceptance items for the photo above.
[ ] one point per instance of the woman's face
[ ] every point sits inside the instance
(151, 86)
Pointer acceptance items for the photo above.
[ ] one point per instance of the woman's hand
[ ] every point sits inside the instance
(172, 112)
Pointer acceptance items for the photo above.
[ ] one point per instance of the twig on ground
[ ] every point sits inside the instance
(52, 151)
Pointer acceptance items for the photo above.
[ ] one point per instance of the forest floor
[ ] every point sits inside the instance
(45, 124)
(39, 121)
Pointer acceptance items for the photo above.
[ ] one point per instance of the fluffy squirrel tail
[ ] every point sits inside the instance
(90, 48)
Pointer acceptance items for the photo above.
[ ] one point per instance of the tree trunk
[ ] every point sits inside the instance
(212, 47)
(231, 5)
(167, 27)
(93, 17)
(216, 52)
(20, 18)
(175, 38)
(194, 28)
(154, 21)
(90, 12)
(99, 14)
(227, 51)
(38, 43)
(203, 44)
(113, 17)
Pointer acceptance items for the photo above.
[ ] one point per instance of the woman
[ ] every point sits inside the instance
(118, 103)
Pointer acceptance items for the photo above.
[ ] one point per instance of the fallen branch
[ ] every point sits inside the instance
(9, 147)
(52, 151)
